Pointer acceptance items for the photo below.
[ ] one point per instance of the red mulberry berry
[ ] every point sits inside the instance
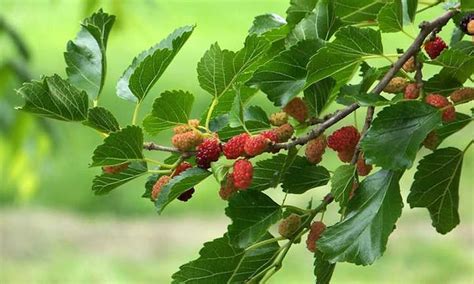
(297, 109)
(234, 148)
(438, 101)
(412, 91)
(462, 95)
(363, 169)
(181, 168)
(346, 156)
(467, 24)
(185, 196)
(409, 65)
(270, 135)
(209, 151)
(435, 47)
(227, 187)
(187, 141)
(242, 174)
(396, 85)
(162, 181)
(431, 141)
(278, 119)
(256, 145)
(315, 149)
(344, 139)
(289, 226)
(317, 228)
(115, 169)
(284, 132)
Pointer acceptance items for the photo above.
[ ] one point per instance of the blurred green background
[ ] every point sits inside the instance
(54, 230)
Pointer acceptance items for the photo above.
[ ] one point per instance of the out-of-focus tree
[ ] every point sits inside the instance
(25, 141)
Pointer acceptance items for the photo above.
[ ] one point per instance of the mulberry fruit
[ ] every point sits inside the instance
(284, 132)
(227, 187)
(467, 24)
(363, 168)
(185, 196)
(344, 139)
(256, 145)
(289, 226)
(396, 85)
(270, 135)
(242, 174)
(207, 152)
(278, 119)
(346, 156)
(431, 141)
(412, 91)
(187, 141)
(297, 109)
(409, 65)
(115, 169)
(315, 149)
(183, 128)
(234, 148)
(193, 123)
(162, 181)
(435, 47)
(462, 95)
(317, 228)
(438, 101)
(181, 168)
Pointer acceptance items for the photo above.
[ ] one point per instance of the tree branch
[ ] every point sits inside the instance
(426, 29)
(151, 146)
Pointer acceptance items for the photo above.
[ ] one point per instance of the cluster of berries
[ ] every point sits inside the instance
(458, 96)
(467, 24)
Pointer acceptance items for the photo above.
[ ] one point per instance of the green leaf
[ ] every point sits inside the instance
(298, 10)
(55, 98)
(148, 66)
(362, 236)
(323, 269)
(265, 23)
(178, 185)
(236, 114)
(457, 62)
(270, 172)
(467, 5)
(284, 77)
(409, 10)
(436, 187)
(443, 85)
(218, 70)
(105, 183)
(448, 129)
(302, 176)
(219, 262)
(252, 213)
(169, 110)
(85, 56)
(120, 147)
(317, 95)
(363, 99)
(352, 12)
(341, 58)
(321, 23)
(102, 120)
(390, 17)
(396, 134)
(341, 184)
(456, 36)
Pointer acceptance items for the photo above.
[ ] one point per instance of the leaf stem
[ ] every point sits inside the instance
(301, 210)
(135, 113)
(265, 242)
(430, 5)
(209, 112)
(467, 146)
(162, 165)
(159, 171)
